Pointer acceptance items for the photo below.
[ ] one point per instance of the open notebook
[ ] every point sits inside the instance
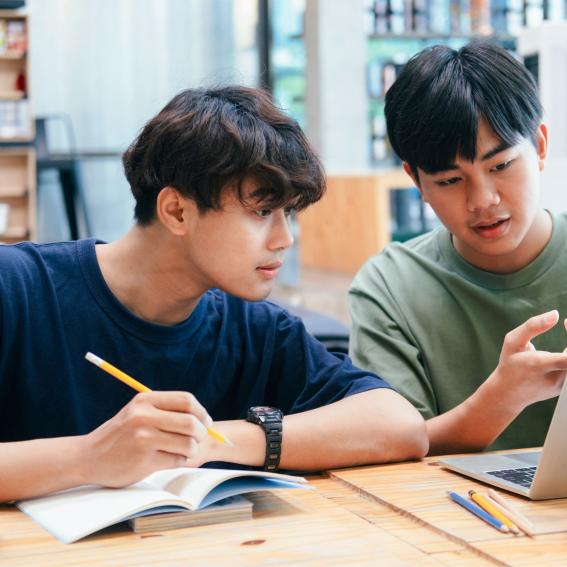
(73, 514)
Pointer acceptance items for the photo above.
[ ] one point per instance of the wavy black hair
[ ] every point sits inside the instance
(205, 140)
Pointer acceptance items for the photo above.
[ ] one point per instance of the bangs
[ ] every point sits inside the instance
(277, 188)
(434, 107)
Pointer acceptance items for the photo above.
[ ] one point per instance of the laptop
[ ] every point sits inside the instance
(539, 475)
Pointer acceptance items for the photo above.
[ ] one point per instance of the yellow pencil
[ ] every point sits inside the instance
(495, 511)
(133, 383)
(515, 515)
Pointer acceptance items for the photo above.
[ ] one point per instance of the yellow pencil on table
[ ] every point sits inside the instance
(488, 506)
(515, 515)
(138, 386)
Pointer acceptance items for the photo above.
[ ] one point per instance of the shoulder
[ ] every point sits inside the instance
(250, 314)
(28, 263)
(400, 261)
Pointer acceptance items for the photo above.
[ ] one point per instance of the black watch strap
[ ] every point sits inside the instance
(273, 430)
(270, 419)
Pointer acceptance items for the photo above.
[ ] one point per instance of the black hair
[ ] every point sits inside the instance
(434, 107)
(205, 140)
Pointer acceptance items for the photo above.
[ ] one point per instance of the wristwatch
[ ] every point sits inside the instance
(270, 420)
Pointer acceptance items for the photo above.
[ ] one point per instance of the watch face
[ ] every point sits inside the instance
(264, 412)
(264, 409)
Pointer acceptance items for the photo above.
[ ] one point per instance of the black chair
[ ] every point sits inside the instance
(333, 334)
(68, 169)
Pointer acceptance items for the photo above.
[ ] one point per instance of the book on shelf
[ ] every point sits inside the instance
(72, 514)
(15, 121)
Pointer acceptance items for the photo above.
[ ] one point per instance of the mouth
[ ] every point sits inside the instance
(492, 228)
(270, 271)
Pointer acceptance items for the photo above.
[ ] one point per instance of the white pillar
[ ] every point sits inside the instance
(336, 97)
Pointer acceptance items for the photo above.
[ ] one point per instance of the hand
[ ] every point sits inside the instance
(525, 375)
(156, 430)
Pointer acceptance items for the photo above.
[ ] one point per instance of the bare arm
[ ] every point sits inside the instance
(156, 430)
(159, 430)
(370, 427)
(523, 376)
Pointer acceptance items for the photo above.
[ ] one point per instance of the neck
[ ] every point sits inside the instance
(144, 272)
(533, 243)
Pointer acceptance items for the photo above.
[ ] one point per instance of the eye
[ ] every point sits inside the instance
(448, 182)
(502, 166)
(263, 212)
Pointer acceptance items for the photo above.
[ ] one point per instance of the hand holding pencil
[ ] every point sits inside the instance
(156, 430)
(138, 386)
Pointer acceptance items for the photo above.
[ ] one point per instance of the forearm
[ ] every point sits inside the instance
(32, 468)
(474, 424)
(375, 426)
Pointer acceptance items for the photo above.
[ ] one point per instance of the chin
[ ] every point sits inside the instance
(252, 295)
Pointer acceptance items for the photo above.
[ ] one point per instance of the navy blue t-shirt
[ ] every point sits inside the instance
(231, 354)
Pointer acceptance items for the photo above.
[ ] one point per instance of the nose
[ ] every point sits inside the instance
(482, 195)
(281, 237)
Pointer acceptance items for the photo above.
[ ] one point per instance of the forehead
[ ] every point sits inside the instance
(486, 139)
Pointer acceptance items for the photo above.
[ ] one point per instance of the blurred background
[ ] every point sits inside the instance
(79, 78)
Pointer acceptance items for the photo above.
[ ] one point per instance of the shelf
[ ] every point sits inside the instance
(12, 192)
(15, 234)
(12, 95)
(441, 36)
(12, 56)
(16, 139)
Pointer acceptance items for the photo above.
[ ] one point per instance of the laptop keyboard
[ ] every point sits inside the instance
(523, 476)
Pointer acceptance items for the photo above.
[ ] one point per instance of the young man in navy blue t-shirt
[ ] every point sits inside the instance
(175, 303)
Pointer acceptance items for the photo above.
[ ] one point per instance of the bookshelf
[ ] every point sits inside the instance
(397, 30)
(17, 158)
(393, 31)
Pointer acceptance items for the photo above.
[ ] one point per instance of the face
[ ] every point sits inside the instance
(490, 205)
(238, 248)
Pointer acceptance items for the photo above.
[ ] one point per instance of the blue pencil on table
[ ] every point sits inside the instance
(477, 511)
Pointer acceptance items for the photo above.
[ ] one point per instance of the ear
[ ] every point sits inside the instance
(413, 176)
(541, 144)
(174, 211)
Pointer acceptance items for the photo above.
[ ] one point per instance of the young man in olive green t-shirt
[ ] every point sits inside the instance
(464, 321)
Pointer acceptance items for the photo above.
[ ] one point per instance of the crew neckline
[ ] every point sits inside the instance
(152, 332)
(529, 273)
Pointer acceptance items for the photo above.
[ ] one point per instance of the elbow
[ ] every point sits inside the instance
(419, 445)
(409, 439)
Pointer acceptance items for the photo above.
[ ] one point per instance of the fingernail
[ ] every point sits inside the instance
(550, 316)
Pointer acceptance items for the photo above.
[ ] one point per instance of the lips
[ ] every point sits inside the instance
(490, 223)
(492, 228)
(272, 266)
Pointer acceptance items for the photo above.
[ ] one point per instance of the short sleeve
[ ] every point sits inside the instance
(381, 341)
(305, 375)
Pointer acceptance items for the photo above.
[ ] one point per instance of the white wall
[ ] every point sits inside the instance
(112, 64)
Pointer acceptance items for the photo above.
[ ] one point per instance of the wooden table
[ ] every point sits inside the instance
(417, 491)
(390, 515)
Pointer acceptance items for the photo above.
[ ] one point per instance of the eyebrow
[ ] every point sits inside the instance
(488, 155)
(499, 148)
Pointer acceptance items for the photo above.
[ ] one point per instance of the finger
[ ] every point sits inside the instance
(545, 361)
(181, 423)
(176, 444)
(520, 337)
(183, 402)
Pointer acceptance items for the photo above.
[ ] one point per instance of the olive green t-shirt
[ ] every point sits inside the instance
(433, 325)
